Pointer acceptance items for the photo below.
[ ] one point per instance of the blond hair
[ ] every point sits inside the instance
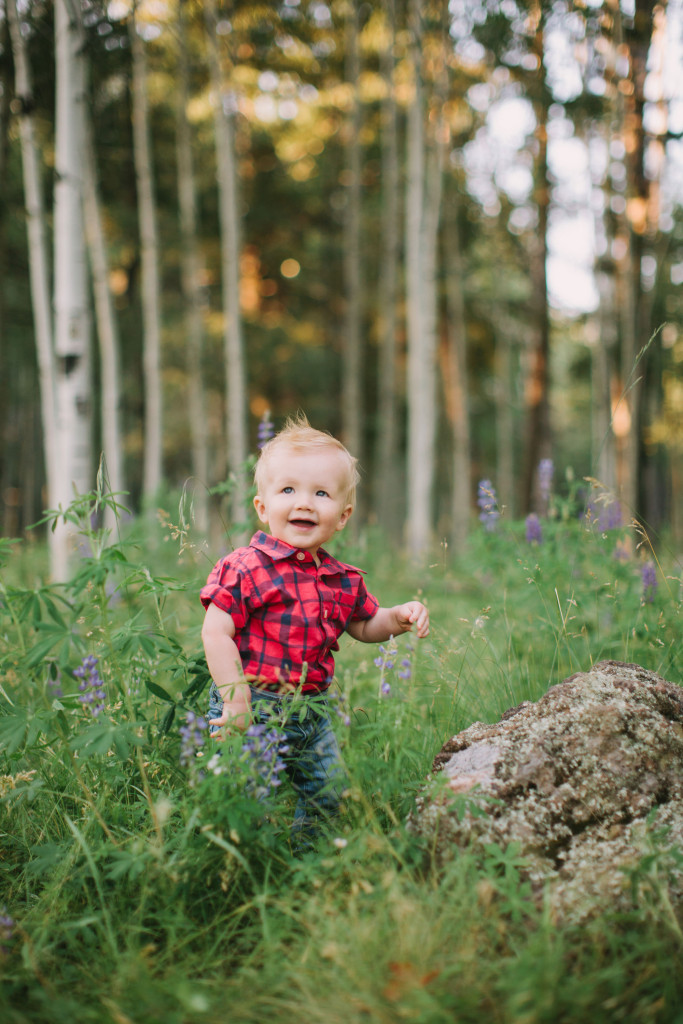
(299, 436)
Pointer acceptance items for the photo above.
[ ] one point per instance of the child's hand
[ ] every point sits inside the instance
(413, 612)
(232, 718)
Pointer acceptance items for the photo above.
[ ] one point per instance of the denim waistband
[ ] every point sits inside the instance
(273, 697)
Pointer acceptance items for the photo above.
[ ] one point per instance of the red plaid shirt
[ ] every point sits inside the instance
(288, 611)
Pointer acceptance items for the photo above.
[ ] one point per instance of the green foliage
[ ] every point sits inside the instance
(144, 883)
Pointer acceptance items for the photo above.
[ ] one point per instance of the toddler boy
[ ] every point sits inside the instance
(275, 609)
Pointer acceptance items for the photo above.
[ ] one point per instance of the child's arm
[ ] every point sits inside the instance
(225, 666)
(388, 622)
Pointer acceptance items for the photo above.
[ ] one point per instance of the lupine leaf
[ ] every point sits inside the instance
(12, 730)
(159, 691)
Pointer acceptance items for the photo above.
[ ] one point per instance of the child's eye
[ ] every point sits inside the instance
(288, 490)
(321, 494)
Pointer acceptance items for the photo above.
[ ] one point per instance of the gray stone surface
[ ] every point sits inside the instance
(581, 781)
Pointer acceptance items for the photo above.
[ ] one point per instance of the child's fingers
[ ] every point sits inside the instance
(420, 616)
(221, 722)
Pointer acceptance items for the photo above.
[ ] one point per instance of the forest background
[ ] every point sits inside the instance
(451, 233)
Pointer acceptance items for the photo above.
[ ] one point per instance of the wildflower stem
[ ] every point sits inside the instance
(125, 693)
(78, 835)
(84, 786)
(9, 605)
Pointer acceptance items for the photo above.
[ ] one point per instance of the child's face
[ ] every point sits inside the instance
(304, 497)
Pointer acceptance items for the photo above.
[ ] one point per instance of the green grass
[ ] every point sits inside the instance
(141, 893)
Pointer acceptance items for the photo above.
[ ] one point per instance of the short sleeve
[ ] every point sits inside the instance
(226, 588)
(366, 605)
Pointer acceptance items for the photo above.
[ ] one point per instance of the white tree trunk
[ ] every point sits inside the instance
(149, 246)
(505, 420)
(190, 268)
(39, 261)
(352, 406)
(422, 219)
(225, 105)
(456, 377)
(72, 315)
(386, 458)
(417, 389)
(602, 367)
(107, 329)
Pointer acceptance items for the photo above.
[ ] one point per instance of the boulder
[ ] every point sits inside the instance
(587, 782)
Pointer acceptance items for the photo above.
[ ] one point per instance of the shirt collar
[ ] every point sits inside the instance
(279, 549)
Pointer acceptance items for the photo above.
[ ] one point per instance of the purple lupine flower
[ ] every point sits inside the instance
(610, 516)
(92, 693)
(340, 708)
(265, 749)
(545, 478)
(488, 503)
(385, 663)
(193, 737)
(265, 429)
(587, 515)
(604, 513)
(6, 930)
(649, 577)
(534, 533)
(385, 660)
(405, 670)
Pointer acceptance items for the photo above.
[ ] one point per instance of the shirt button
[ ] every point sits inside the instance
(301, 555)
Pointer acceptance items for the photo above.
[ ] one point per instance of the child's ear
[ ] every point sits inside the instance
(344, 517)
(260, 507)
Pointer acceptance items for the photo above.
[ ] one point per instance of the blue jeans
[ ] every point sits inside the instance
(313, 761)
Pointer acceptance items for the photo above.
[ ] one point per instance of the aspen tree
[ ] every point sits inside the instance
(386, 447)
(423, 204)
(39, 259)
(190, 270)
(225, 105)
(71, 308)
(352, 403)
(149, 253)
(456, 381)
(107, 327)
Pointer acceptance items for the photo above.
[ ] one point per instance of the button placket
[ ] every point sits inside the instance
(326, 610)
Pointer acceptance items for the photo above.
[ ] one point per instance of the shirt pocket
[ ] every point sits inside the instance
(336, 614)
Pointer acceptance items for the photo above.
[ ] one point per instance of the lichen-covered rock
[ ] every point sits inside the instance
(581, 781)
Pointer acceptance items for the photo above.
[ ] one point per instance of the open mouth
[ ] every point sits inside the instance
(302, 524)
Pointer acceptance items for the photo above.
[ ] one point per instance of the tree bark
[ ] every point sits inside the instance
(149, 253)
(72, 313)
(107, 328)
(602, 373)
(456, 381)
(419, 392)
(539, 442)
(386, 427)
(505, 419)
(39, 260)
(423, 201)
(6, 93)
(352, 404)
(225, 106)
(636, 325)
(190, 268)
